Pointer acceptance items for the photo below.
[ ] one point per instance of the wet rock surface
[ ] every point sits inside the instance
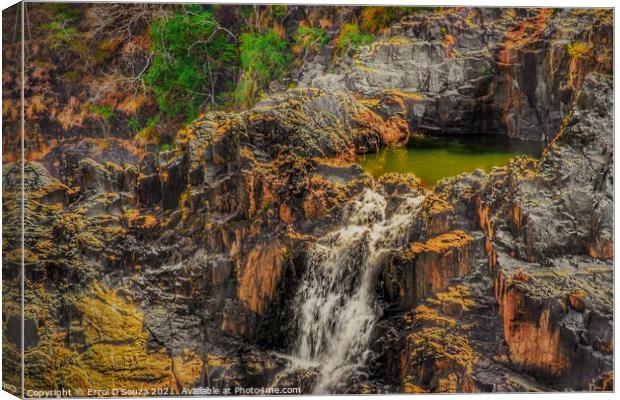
(175, 269)
(507, 71)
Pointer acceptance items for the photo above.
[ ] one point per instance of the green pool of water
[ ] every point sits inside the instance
(432, 159)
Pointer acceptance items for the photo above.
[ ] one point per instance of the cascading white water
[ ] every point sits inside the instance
(334, 304)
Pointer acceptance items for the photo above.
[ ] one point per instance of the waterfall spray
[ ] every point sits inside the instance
(335, 304)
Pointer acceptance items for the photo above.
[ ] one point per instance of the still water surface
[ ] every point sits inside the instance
(435, 158)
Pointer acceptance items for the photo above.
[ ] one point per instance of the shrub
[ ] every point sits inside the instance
(149, 134)
(310, 38)
(263, 59)
(191, 56)
(166, 147)
(104, 111)
(374, 19)
(351, 37)
(134, 124)
(63, 37)
(487, 72)
(61, 34)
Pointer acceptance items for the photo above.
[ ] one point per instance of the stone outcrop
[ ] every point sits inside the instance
(507, 71)
(426, 268)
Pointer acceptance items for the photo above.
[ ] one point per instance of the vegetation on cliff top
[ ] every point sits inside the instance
(191, 54)
(133, 65)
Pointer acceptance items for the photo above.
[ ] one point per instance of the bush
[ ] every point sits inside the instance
(487, 72)
(64, 38)
(62, 35)
(351, 37)
(310, 38)
(149, 133)
(104, 111)
(263, 59)
(374, 19)
(192, 55)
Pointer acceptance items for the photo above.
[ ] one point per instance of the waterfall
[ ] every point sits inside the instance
(334, 304)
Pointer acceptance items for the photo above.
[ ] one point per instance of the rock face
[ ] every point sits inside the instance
(175, 269)
(507, 71)
(553, 293)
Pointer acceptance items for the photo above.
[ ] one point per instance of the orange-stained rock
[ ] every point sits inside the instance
(439, 259)
(531, 331)
(286, 214)
(426, 268)
(601, 248)
(259, 276)
(576, 299)
(438, 215)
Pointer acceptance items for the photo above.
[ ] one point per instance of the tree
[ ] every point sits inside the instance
(192, 58)
(263, 59)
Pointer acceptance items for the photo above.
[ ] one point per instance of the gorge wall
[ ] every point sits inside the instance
(176, 268)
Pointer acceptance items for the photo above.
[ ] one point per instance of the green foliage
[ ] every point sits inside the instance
(134, 124)
(166, 147)
(149, 133)
(351, 37)
(64, 11)
(61, 34)
(287, 255)
(278, 11)
(191, 56)
(487, 72)
(373, 19)
(263, 59)
(310, 38)
(70, 75)
(62, 37)
(105, 111)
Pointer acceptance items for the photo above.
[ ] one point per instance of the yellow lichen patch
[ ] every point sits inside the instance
(449, 350)
(104, 307)
(51, 187)
(363, 67)
(373, 102)
(87, 239)
(434, 204)
(442, 243)
(457, 295)
(136, 220)
(218, 361)
(112, 353)
(578, 49)
(409, 387)
(187, 367)
(409, 95)
(184, 204)
(449, 41)
(427, 314)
